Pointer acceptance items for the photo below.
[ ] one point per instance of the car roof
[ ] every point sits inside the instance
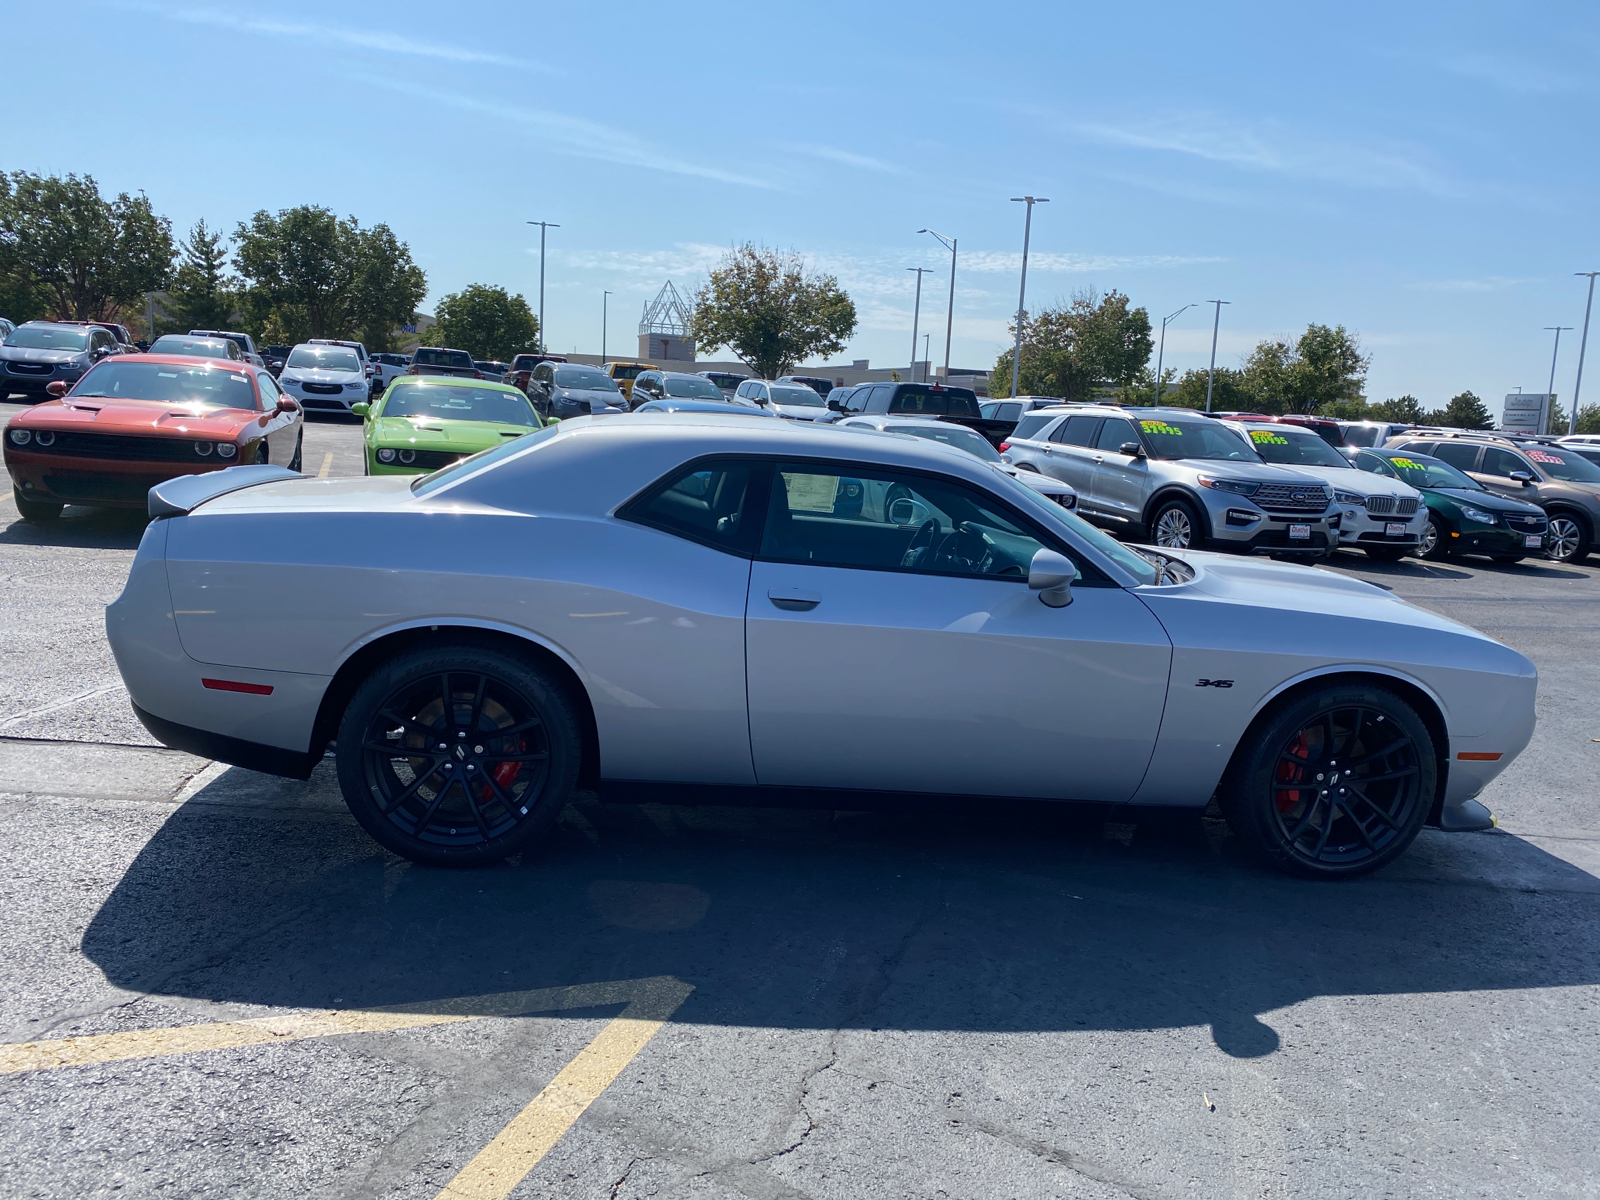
(491, 385)
(884, 421)
(234, 366)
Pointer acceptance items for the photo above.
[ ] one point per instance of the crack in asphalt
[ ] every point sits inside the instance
(1054, 1155)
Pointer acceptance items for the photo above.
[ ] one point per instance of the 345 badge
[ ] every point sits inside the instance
(1221, 683)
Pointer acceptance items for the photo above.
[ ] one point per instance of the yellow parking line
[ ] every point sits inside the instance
(327, 464)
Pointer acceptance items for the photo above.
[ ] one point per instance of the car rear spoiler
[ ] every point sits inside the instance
(184, 494)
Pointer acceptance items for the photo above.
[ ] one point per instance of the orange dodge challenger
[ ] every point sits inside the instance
(135, 420)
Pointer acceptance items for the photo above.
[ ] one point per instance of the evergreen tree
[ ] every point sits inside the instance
(202, 295)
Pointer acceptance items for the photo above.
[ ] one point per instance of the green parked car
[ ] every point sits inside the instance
(1464, 517)
(424, 422)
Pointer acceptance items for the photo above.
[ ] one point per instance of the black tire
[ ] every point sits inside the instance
(36, 511)
(299, 448)
(262, 457)
(1387, 553)
(1507, 560)
(1435, 544)
(488, 794)
(1178, 523)
(1569, 538)
(1382, 780)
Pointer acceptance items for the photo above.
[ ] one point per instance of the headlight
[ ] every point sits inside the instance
(1478, 515)
(226, 449)
(45, 437)
(202, 448)
(1348, 497)
(408, 456)
(355, 387)
(1237, 486)
(386, 455)
(1067, 501)
(21, 437)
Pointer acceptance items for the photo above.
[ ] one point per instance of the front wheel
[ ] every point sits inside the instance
(36, 511)
(1335, 784)
(1435, 541)
(459, 754)
(1176, 526)
(299, 451)
(1568, 539)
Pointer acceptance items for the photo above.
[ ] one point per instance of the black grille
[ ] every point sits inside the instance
(1527, 524)
(1380, 506)
(322, 389)
(80, 485)
(1291, 498)
(432, 460)
(123, 449)
(332, 405)
(27, 368)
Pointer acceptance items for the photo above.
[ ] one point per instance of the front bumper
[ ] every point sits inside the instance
(339, 402)
(1471, 538)
(1359, 528)
(97, 482)
(1240, 526)
(31, 384)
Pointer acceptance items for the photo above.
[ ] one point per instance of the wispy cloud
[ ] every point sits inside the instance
(324, 35)
(572, 135)
(1518, 76)
(846, 157)
(1011, 261)
(1273, 148)
(1491, 283)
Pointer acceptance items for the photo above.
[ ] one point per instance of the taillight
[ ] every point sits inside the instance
(412, 371)
(1004, 446)
(479, 375)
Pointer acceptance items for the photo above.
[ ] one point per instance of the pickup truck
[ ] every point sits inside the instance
(430, 360)
(957, 405)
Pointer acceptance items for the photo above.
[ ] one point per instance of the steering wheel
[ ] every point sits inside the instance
(964, 552)
(921, 543)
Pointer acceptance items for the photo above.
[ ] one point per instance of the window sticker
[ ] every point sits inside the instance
(1160, 427)
(1268, 438)
(810, 493)
(1541, 456)
(1409, 464)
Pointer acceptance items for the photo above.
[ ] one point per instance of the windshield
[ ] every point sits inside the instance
(483, 458)
(1418, 470)
(43, 337)
(1134, 564)
(627, 370)
(1563, 464)
(953, 402)
(453, 402)
(584, 377)
(431, 357)
(323, 358)
(1181, 437)
(725, 381)
(169, 383)
(1361, 435)
(802, 397)
(692, 388)
(961, 439)
(199, 347)
(1295, 449)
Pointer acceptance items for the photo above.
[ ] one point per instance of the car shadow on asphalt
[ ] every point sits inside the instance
(1016, 918)
(79, 528)
(1405, 568)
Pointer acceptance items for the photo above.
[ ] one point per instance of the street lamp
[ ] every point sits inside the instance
(950, 312)
(1022, 294)
(1551, 390)
(1211, 375)
(543, 225)
(605, 298)
(1161, 354)
(915, 313)
(1583, 345)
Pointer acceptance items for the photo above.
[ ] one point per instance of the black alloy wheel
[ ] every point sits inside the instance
(458, 755)
(1435, 542)
(1176, 526)
(262, 458)
(35, 511)
(299, 451)
(1334, 785)
(1568, 539)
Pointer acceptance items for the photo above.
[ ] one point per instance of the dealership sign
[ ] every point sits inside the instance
(1525, 412)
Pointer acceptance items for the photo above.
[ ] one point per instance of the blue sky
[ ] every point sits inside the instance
(1424, 174)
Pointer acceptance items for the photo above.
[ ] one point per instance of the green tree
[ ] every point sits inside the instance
(1069, 350)
(201, 295)
(771, 311)
(1407, 409)
(1228, 394)
(1465, 411)
(1323, 369)
(487, 322)
(311, 274)
(81, 256)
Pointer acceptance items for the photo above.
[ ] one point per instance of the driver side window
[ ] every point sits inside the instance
(839, 516)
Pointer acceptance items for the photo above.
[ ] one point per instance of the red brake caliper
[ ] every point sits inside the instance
(506, 773)
(1289, 773)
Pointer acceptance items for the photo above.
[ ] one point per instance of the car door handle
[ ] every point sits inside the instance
(794, 599)
(1099, 458)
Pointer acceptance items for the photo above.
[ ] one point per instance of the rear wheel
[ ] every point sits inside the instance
(1176, 526)
(37, 511)
(459, 754)
(1435, 541)
(1568, 540)
(1335, 784)
(299, 448)
(1387, 553)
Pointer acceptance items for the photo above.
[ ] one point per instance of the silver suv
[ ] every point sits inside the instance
(1178, 477)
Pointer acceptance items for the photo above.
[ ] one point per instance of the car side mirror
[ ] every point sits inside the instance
(1051, 575)
(57, 389)
(1522, 477)
(1131, 449)
(287, 404)
(361, 408)
(836, 405)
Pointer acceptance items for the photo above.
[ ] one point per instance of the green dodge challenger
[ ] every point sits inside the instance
(424, 422)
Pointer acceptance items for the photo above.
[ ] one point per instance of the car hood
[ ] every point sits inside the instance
(799, 412)
(1365, 483)
(612, 399)
(1488, 501)
(426, 433)
(100, 415)
(1249, 471)
(27, 354)
(302, 375)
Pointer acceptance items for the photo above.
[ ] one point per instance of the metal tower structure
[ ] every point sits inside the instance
(664, 328)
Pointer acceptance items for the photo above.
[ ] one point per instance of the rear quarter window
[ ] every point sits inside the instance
(1032, 426)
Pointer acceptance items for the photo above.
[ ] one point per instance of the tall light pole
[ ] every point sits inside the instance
(1551, 390)
(915, 313)
(1583, 345)
(543, 225)
(1022, 294)
(926, 356)
(1162, 353)
(950, 310)
(605, 298)
(1211, 375)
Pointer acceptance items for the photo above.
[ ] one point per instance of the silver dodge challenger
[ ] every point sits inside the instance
(712, 609)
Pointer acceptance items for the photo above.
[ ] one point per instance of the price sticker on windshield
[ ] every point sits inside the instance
(1267, 437)
(1541, 456)
(1160, 427)
(1406, 464)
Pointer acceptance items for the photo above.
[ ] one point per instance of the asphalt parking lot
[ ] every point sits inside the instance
(229, 990)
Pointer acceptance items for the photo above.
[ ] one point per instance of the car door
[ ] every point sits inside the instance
(1067, 452)
(1494, 472)
(1120, 482)
(884, 653)
(283, 428)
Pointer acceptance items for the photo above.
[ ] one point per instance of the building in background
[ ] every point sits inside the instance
(664, 329)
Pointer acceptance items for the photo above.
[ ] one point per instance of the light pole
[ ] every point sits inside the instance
(926, 356)
(605, 298)
(1551, 390)
(1583, 345)
(1022, 294)
(916, 312)
(543, 225)
(1162, 353)
(950, 312)
(1211, 375)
